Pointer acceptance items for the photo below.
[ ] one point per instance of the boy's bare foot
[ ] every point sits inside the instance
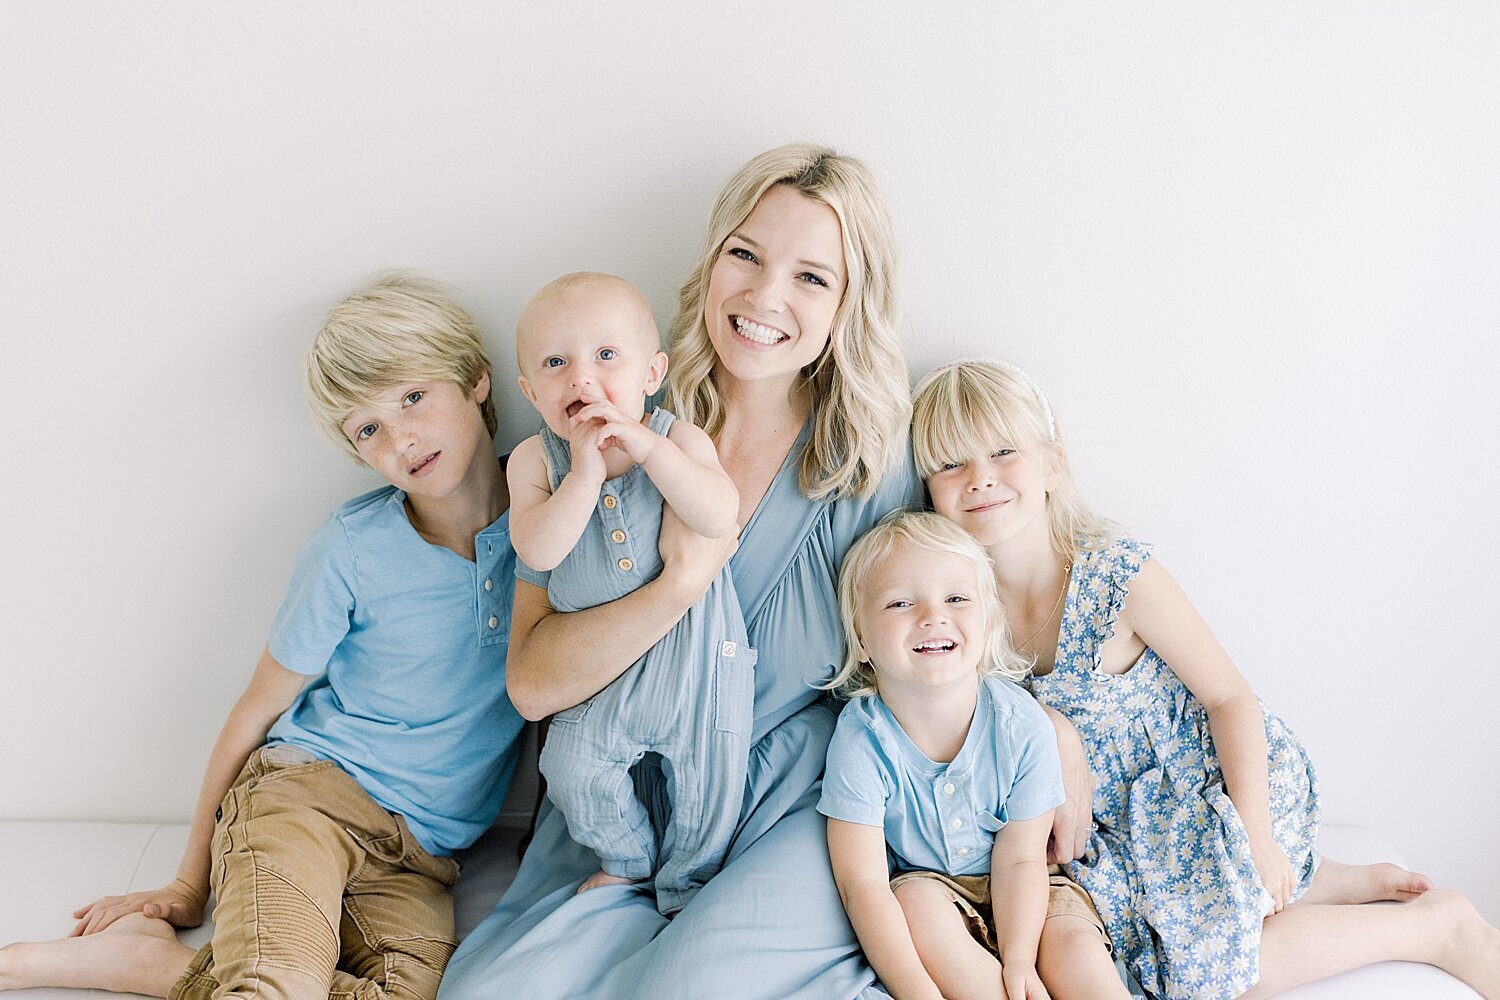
(135, 954)
(597, 879)
(1472, 946)
(1339, 884)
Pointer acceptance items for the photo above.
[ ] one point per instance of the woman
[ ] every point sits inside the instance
(784, 349)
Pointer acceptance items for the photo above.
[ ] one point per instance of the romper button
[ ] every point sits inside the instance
(948, 789)
(610, 502)
(626, 565)
(617, 536)
(489, 585)
(494, 621)
(956, 823)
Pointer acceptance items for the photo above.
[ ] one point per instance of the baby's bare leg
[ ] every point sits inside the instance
(1074, 962)
(1339, 883)
(135, 954)
(1306, 941)
(961, 967)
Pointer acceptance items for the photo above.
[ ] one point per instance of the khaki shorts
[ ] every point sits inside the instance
(971, 894)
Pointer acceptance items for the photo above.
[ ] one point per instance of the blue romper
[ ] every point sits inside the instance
(689, 699)
(1168, 864)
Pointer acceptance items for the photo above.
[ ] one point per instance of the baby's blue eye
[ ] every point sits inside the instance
(553, 362)
(958, 599)
(415, 396)
(364, 432)
(608, 354)
(947, 466)
(898, 605)
(1002, 452)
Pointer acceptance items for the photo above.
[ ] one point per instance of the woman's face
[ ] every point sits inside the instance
(775, 287)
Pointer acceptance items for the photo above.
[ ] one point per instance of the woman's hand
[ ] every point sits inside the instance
(689, 560)
(1074, 819)
(1275, 870)
(179, 904)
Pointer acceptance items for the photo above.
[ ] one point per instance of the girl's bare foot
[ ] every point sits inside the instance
(1336, 883)
(597, 879)
(1472, 947)
(135, 954)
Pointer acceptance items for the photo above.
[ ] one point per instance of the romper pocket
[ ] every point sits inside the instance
(734, 687)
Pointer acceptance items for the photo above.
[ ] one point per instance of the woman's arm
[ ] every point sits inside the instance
(272, 688)
(557, 660)
(859, 869)
(1074, 819)
(1161, 615)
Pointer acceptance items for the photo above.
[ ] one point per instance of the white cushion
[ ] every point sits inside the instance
(49, 869)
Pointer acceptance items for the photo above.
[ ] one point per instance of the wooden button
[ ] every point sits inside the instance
(611, 502)
(617, 536)
(626, 565)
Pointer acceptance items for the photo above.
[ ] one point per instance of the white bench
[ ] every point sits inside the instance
(48, 869)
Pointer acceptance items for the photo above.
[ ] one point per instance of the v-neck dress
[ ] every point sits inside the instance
(1168, 863)
(770, 924)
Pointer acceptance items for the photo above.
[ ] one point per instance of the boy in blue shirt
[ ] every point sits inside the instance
(375, 737)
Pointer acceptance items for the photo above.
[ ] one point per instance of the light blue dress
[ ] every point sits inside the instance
(689, 699)
(770, 925)
(1168, 864)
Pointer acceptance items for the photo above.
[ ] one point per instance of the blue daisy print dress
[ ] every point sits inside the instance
(1168, 863)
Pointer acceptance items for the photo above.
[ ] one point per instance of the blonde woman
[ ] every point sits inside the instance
(784, 350)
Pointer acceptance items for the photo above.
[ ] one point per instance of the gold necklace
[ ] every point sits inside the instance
(1067, 576)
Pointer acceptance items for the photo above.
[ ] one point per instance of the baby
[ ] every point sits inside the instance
(586, 510)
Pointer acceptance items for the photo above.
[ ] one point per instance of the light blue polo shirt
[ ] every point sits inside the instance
(944, 817)
(407, 643)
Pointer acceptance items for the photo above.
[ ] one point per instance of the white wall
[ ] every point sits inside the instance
(1252, 251)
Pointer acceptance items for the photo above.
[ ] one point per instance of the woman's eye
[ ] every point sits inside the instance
(608, 354)
(553, 362)
(812, 279)
(741, 253)
(414, 396)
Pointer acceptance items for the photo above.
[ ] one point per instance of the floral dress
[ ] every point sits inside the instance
(1168, 863)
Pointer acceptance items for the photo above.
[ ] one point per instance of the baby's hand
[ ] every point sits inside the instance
(1275, 870)
(617, 430)
(588, 454)
(178, 904)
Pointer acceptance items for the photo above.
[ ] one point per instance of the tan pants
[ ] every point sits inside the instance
(320, 892)
(971, 894)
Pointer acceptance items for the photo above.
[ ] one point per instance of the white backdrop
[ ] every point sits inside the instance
(1251, 250)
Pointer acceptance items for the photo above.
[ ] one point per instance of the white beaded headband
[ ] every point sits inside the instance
(1007, 366)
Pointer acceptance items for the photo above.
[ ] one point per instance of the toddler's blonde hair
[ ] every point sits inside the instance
(401, 329)
(973, 406)
(927, 532)
(861, 404)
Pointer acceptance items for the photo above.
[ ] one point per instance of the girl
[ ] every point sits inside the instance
(944, 763)
(1203, 861)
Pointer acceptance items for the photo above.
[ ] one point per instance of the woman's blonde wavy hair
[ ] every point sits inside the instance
(859, 383)
(966, 407)
(927, 532)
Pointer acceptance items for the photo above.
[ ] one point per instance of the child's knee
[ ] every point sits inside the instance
(1067, 938)
(920, 898)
